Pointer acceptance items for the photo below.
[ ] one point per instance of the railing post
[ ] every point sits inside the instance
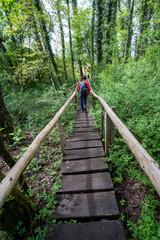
(74, 107)
(112, 126)
(107, 134)
(61, 135)
(93, 103)
(102, 121)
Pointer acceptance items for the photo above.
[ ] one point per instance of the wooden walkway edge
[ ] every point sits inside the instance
(87, 193)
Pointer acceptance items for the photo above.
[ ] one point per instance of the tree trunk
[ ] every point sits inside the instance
(80, 67)
(10, 161)
(5, 118)
(99, 31)
(47, 40)
(147, 11)
(129, 33)
(16, 209)
(70, 41)
(62, 40)
(108, 33)
(92, 36)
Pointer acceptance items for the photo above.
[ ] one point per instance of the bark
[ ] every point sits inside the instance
(17, 208)
(36, 34)
(10, 161)
(108, 33)
(147, 11)
(47, 40)
(70, 41)
(62, 40)
(99, 31)
(80, 67)
(5, 117)
(74, 6)
(129, 33)
(10, 24)
(92, 36)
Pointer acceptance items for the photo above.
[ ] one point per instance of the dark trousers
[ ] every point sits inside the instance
(83, 99)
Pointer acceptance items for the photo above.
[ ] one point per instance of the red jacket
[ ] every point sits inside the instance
(87, 84)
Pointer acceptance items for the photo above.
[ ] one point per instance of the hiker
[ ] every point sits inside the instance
(84, 91)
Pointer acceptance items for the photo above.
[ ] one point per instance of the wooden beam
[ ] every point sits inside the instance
(149, 166)
(102, 121)
(13, 175)
(61, 135)
(112, 127)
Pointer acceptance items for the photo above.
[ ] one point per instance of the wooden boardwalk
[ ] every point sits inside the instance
(87, 191)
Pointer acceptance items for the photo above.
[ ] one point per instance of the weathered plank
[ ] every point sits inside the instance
(80, 125)
(89, 205)
(110, 230)
(84, 153)
(86, 183)
(83, 144)
(79, 121)
(83, 129)
(83, 166)
(81, 136)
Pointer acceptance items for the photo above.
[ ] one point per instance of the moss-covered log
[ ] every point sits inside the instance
(16, 209)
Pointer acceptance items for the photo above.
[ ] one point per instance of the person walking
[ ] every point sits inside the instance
(84, 91)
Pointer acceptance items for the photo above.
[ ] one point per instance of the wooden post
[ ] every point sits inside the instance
(93, 103)
(73, 107)
(107, 134)
(102, 121)
(61, 135)
(112, 126)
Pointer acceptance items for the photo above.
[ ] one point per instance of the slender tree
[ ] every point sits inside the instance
(99, 30)
(70, 40)
(147, 10)
(62, 39)
(47, 39)
(129, 32)
(92, 36)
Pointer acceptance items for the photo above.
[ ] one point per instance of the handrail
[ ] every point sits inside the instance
(13, 175)
(149, 166)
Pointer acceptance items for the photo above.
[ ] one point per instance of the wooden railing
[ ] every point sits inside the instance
(13, 175)
(147, 163)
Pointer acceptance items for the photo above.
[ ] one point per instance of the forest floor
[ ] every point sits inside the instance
(129, 192)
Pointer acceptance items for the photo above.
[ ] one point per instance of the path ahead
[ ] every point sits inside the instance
(87, 191)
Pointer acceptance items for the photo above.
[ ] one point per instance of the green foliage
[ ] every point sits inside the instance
(147, 227)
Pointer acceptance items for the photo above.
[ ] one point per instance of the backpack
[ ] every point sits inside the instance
(83, 88)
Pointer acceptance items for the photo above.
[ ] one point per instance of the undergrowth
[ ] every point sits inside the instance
(134, 90)
(31, 111)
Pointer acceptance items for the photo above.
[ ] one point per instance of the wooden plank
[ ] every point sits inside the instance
(86, 205)
(83, 166)
(110, 230)
(81, 136)
(79, 121)
(86, 183)
(84, 153)
(83, 144)
(85, 125)
(82, 129)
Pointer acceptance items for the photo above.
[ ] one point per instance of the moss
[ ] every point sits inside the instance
(16, 209)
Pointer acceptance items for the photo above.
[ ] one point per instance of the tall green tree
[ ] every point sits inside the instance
(70, 40)
(62, 38)
(47, 40)
(99, 30)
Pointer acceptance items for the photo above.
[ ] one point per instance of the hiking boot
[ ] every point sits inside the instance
(85, 109)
